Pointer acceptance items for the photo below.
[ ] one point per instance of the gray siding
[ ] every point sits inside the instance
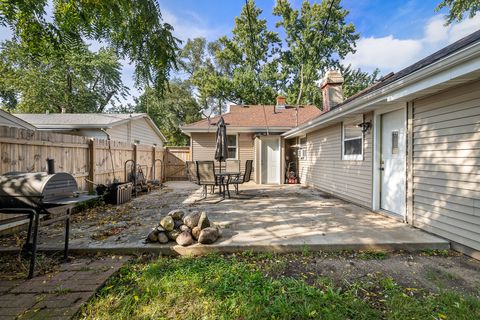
(446, 164)
(203, 147)
(324, 168)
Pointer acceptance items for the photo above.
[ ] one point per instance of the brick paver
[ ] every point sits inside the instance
(57, 295)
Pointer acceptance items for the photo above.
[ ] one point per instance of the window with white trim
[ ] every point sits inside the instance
(302, 150)
(232, 146)
(352, 139)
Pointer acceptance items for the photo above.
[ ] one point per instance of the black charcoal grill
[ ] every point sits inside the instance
(33, 194)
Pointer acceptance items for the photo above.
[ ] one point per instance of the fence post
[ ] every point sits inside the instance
(153, 164)
(92, 166)
(135, 156)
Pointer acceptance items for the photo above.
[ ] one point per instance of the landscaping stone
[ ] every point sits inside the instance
(203, 222)
(162, 237)
(185, 228)
(208, 235)
(184, 239)
(161, 229)
(177, 214)
(196, 232)
(167, 223)
(191, 220)
(172, 235)
(153, 235)
(177, 224)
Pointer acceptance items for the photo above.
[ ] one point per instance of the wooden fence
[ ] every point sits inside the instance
(97, 160)
(175, 162)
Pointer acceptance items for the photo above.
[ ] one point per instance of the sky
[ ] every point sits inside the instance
(393, 33)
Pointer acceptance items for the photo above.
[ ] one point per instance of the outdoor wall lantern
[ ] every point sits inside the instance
(366, 126)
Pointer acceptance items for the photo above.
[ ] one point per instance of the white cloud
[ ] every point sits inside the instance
(191, 26)
(392, 54)
(384, 53)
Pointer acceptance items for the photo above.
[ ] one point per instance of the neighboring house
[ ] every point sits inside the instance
(408, 146)
(253, 134)
(9, 120)
(130, 127)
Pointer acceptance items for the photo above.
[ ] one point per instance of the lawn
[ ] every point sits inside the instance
(266, 286)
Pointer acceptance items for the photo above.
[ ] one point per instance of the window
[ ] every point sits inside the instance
(232, 146)
(352, 137)
(302, 150)
(395, 142)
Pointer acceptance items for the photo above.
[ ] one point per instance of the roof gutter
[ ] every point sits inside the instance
(188, 131)
(392, 92)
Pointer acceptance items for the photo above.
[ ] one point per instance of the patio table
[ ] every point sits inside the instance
(224, 179)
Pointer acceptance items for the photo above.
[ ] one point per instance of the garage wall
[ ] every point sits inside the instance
(203, 147)
(446, 164)
(323, 167)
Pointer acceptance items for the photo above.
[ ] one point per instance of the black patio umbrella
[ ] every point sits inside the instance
(221, 150)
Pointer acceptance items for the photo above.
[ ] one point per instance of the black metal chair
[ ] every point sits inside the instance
(206, 176)
(245, 178)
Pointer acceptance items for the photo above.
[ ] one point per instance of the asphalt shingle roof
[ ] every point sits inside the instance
(258, 116)
(76, 119)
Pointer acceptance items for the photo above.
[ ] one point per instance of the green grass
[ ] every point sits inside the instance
(217, 287)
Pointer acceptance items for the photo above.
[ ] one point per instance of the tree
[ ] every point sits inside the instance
(170, 111)
(317, 36)
(242, 69)
(75, 81)
(355, 80)
(458, 8)
(133, 29)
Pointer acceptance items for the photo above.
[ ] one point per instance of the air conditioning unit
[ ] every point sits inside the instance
(302, 153)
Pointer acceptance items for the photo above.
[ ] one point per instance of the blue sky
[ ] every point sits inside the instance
(393, 33)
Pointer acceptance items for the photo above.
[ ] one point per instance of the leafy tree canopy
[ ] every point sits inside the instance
(133, 29)
(172, 110)
(77, 81)
(458, 8)
(253, 66)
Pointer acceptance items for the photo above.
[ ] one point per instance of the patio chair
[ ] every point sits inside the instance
(232, 166)
(206, 175)
(245, 178)
(192, 172)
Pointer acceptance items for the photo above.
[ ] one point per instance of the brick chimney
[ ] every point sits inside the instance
(281, 103)
(332, 91)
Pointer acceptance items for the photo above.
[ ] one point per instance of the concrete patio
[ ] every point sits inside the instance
(284, 218)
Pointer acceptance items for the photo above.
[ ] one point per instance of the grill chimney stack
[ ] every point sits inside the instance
(332, 91)
(50, 166)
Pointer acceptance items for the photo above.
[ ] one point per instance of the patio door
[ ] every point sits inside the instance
(393, 162)
(270, 161)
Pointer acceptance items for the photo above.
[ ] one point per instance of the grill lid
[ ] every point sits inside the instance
(37, 186)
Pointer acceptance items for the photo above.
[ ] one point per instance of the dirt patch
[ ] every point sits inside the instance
(420, 271)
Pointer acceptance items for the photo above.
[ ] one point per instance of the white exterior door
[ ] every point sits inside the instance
(393, 162)
(270, 161)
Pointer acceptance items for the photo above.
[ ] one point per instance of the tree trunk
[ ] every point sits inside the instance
(300, 91)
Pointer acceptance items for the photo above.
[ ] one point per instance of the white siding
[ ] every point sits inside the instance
(120, 132)
(446, 164)
(138, 129)
(143, 131)
(324, 168)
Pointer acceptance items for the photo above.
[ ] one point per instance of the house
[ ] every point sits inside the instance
(9, 120)
(407, 147)
(127, 127)
(253, 133)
